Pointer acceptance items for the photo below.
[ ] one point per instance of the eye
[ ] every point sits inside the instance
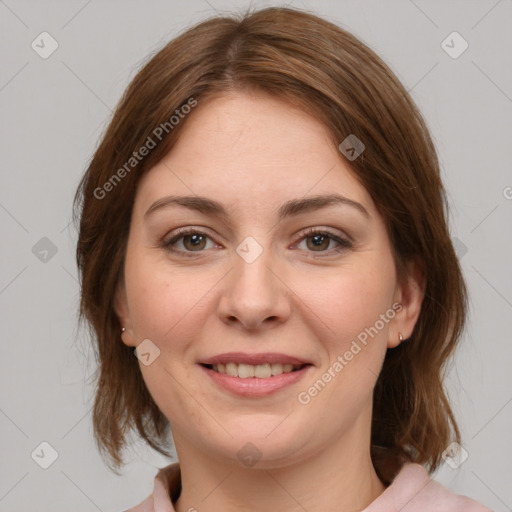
(319, 240)
(188, 240)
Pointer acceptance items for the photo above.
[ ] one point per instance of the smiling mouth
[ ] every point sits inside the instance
(259, 371)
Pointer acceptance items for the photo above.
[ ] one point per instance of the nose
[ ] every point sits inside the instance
(255, 295)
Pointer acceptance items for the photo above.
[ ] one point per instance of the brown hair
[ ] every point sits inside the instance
(324, 69)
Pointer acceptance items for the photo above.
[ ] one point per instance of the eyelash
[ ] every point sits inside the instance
(344, 244)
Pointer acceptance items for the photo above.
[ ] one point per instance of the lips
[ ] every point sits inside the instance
(261, 366)
(260, 371)
(254, 359)
(255, 374)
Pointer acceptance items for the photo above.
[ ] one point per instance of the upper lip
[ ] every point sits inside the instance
(253, 359)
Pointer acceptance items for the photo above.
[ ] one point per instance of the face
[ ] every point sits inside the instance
(260, 279)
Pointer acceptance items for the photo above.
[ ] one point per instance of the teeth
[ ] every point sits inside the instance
(260, 371)
(276, 368)
(232, 369)
(245, 371)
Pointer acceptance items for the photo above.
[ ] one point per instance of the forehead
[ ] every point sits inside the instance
(252, 149)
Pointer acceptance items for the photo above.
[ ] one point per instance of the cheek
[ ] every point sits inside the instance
(350, 301)
(353, 334)
(163, 300)
(354, 304)
(164, 308)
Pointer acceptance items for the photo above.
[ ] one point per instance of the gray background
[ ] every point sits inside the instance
(53, 112)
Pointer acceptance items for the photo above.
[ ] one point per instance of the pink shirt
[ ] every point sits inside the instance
(412, 490)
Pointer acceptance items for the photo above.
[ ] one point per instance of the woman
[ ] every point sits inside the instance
(263, 225)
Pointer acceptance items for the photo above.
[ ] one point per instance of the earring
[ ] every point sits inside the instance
(123, 329)
(400, 337)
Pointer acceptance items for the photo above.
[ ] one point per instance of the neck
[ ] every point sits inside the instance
(340, 477)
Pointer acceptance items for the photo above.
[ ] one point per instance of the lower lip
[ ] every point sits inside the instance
(253, 386)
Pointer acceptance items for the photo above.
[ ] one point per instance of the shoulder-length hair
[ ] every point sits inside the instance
(328, 72)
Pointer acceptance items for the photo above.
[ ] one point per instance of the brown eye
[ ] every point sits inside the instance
(194, 242)
(189, 242)
(323, 242)
(318, 242)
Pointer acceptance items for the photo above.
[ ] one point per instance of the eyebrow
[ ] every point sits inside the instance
(293, 207)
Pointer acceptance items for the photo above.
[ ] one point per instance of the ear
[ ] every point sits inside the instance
(409, 294)
(123, 313)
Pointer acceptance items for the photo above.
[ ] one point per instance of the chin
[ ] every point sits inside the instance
(260, 450)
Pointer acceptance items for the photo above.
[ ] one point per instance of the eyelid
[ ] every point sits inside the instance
(188, 230)
(324, 230)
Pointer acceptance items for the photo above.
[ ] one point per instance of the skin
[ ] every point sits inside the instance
(252, 153)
